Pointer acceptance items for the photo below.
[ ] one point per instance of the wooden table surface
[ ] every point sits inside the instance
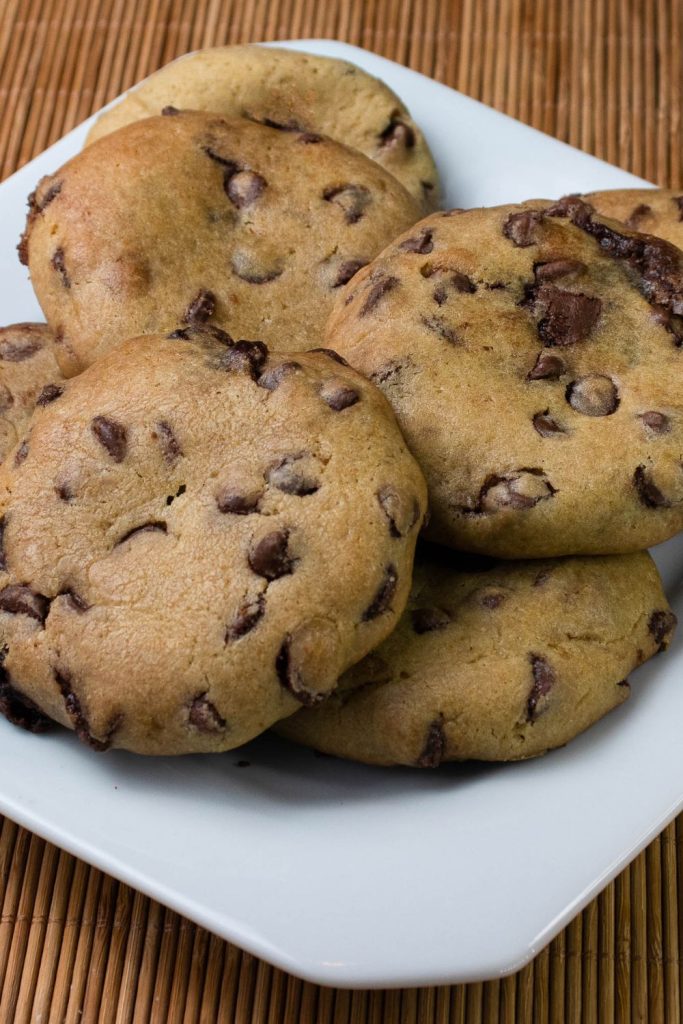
(604, 75)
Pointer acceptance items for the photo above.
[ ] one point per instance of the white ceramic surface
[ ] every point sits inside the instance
(341, 874)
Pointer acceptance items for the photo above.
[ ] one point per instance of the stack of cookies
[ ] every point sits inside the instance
(270, 365)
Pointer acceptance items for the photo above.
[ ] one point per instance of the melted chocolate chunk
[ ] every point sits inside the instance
(435, 745)
(201, 309)
(648, 492)
(381, 602)
(273, 377)
(546, 367)
(544, 679)
(18, 599)
(74, 710)
(245, 357)
(168, 442)
(339, 396)
(204, 715)
(353, 200)
(17, 352)
(112, 435)
(546, 426)
(291, 476)
(291, 676)
(270, 556)
(398, 133)
(346, 271)
(521, 228)
(246, 619)
(169, 111)
(58, 264)
(564, 318)
(427, 620)
(661, 625)
(17, 708)
(380, 287)
(422, 243)
(50, 393)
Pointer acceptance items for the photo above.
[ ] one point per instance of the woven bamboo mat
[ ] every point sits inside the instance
(605, 75)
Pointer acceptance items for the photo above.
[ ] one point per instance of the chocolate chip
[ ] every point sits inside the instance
(546, 367)
(18, 599)
(246, 619)
(169, 111)
(435, 745)
(292, 475)
(17, 352)
(249, 269)
(201, 309)
(35, 208)
(22, 453)
(648, 492)
(19, 709)
(593, 395)
(245, 357)
(172, 497)
(353, 200)
(64, 492)
(75, 712)
(398, 133)
(346, 271)
(236, 502)
(292, 676)
(544, 679)
(427, 620)
(636, 215)
(204, 715)
(402, 513)
(112, 435)
(661, 625)
(244, 187)
(437, 325)
(155, 526)
(380, 287)
(520, 490)
(657, 422)
(381, 602)
(422, 243)
(75, 601)
(338, 396)
(49, 394)
(453, 282)
(59, 266)
(521, 228)
(270, 556)
(546, 426)
(331, 355)
(168, 442)
(273, 377)
(564, 318)
(493, 601)
(554, 269)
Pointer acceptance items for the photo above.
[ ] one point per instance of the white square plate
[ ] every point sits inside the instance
(338, 873)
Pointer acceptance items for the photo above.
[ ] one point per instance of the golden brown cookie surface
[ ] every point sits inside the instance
(495, 665)
(316, 94)
(189, 217)
(190, 557)
(532, 354)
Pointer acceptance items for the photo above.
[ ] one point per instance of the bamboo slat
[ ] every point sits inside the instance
(604, 75)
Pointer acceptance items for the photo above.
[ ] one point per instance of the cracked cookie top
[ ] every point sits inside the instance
(532, 354)
(190, 557)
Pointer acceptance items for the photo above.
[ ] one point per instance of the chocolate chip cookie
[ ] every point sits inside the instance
(656, 211)
(192, 218)
(196, 554)
(532, 354)
(29, 375)
(296, 91)
(495, 665)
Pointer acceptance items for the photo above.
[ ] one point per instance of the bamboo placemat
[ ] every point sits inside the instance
(605, 75)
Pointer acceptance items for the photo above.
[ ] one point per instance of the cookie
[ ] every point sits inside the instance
(29, 375)
(655, 211)
(495, 665)
(192, 218)
(532, 354)
(233, 529)
(301, 92)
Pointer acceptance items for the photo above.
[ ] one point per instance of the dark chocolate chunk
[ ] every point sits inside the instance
(168, 442)
(346, 270)
(435, 745)
(402, 515)
(112, 435)
(422, 243)
(353, 200)
(339, 396)
(379, 288)
(381, 602)
(648, 492)
(547, 367)
(201, 308)
(169, 111)
(49, 394)
(245, 357)
(520, 490)
(544, 679)
(292, 676)
(270, 556)
(17, 352)
(564, 318)
(291, 475)
(16, 707)
(546, 426)
(521, 228)
(18, 599)
(246, 619)
(75, 601)
(661, 625)
(74, 710)
(204, 715)
(59, 265)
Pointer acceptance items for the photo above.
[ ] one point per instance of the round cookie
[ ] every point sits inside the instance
(195, 555)
(193, 218)
(495, 665)
(656, 211)
(297, 90)
(29, 375)
(532, 354)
